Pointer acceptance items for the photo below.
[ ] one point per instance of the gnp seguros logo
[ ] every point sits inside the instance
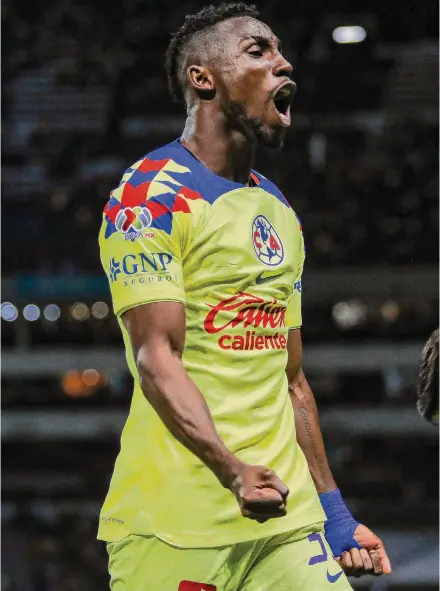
(267, 244)
(141, 267)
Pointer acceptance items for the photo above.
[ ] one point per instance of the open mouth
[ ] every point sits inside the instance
(282, 101)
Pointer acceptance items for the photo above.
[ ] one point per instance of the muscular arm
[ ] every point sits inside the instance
(357, 549)
(157, 334)
(308, 431)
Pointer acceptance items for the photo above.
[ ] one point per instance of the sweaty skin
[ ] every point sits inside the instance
(223, 132)
(231, 109)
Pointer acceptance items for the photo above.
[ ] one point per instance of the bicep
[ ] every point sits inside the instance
(156, 329)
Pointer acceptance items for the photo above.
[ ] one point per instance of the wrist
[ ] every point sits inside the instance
(227, 468)
(340, 525)
(334, 506)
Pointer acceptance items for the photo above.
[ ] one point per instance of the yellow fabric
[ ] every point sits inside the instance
(288, 562)
(234, 256)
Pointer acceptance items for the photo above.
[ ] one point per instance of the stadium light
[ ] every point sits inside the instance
(390, 311)
(72, 384)
(31, 312)
(91, 377)
(52, 312)
(80, 311)
(352, 34)
(99, 310)
(9, 312)
(349, 314)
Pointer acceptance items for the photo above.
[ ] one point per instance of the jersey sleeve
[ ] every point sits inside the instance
(293, 312)
(141, 251)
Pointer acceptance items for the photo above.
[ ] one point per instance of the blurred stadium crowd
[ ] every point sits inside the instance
(82, 89)
(83, 97)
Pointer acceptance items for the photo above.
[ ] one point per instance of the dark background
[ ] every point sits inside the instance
(84, 96)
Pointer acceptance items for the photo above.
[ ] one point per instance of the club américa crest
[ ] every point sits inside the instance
(267, 244)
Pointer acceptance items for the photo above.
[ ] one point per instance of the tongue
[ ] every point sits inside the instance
(285, 117)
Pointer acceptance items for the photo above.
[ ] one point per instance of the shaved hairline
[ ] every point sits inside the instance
(195, 52)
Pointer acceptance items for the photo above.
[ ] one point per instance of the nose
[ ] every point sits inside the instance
(282, 67)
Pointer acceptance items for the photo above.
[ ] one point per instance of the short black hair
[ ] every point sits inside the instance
(427, 392)
(194, 23)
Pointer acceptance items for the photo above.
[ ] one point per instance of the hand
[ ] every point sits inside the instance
(370, 559)
(260, 493)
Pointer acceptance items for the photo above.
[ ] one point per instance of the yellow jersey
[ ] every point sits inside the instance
(233, 255)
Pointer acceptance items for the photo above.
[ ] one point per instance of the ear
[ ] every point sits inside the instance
(201, 80)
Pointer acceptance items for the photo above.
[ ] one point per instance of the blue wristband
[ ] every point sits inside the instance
(340, 525)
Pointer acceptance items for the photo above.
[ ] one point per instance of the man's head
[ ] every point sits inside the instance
(224, 56)
(427, 394)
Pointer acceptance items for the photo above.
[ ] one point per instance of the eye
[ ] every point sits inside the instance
(255, 51)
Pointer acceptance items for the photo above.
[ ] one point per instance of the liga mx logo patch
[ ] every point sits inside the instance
(267, 244)
(131, 221)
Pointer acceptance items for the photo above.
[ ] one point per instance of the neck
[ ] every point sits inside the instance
(225, 151)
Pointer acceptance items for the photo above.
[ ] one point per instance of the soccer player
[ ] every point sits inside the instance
(427, 392)
(222, 481)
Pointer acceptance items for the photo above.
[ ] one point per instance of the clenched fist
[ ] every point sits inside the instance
(261, 495)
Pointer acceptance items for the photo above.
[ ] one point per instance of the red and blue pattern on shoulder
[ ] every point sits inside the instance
(153, 189)
(150, 192)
